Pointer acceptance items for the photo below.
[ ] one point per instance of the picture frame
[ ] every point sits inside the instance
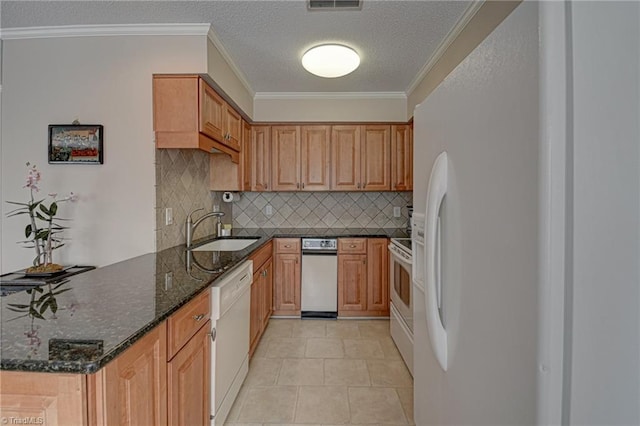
(76, 144)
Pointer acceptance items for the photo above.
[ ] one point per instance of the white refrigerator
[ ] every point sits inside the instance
(490, 337)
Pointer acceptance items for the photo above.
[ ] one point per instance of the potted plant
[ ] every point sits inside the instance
(43, 233)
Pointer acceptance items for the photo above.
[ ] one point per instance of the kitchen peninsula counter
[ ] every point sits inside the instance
(106, 310)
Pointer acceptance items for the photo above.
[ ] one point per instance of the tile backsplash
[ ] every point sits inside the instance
(182, 183)
(321, 209)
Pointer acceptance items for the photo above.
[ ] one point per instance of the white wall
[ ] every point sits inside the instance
(605, 375)
(224, 75)
(97, 80)
(327, 107)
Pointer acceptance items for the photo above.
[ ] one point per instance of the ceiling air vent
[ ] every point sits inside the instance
(335, 4)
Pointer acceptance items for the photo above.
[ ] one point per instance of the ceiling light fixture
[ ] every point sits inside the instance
(330, 60)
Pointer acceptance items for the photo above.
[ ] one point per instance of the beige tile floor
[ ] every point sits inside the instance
(325, 372)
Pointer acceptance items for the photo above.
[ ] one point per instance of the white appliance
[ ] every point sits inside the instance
(401, 315)
(230, 299)
(319, 293)
(475, 276)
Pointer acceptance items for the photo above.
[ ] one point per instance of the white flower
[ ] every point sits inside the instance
(33, 177)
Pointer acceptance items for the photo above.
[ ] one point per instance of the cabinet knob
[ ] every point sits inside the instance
(287, 246)
(213, 335)
(352, 246)
(302, 185)
(364, 261)
(298, 185)
(199, 317)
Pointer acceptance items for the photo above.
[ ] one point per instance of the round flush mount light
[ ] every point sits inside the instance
(330, 60)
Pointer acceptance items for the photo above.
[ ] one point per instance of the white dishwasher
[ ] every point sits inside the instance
(230, 304)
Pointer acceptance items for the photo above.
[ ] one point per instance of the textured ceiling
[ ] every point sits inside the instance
(266, 39)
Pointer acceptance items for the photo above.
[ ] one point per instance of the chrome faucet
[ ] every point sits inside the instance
(191, 225)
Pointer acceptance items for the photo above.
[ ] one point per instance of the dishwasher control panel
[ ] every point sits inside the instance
(329, 244)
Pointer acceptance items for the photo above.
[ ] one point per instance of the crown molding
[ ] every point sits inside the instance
(468, 14)
(211, 35)
(104, 30)
(328, 95)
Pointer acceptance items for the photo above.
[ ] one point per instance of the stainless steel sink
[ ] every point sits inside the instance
(227, 245)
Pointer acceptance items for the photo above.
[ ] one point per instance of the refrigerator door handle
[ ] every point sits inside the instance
(435, 196)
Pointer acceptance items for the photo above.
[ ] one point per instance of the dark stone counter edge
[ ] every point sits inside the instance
(90, 367)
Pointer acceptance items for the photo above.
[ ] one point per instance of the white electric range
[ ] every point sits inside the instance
(401, 324)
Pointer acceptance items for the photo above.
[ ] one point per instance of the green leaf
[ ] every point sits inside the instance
(17, 305)
(45, 306)
(27, 231)
(39, 289)
(33, 206)
(54, 305)
(16, 214)
(34, 313)
(18, 204)
(45, 210)
(39, 216)
(16, 310)
(56, 293)
(53, 208)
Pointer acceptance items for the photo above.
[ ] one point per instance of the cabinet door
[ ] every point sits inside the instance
(285, 158)
(211, 112)
(315, 158)
(58, 398)
(189, 377)
(345, 158)
(135, 382)
(401, 158)
(287, 284)
(255, 311)
(232, 128)
(352, 281)
(378, 276)
(246, 157)
(267, 293)
(375, 167)
(261, 158)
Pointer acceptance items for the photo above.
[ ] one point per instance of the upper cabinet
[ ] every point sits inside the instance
(300, 158)
(226, 175)
(285, 158)
(360, 158)
(261, 158)
(188, 113)
(401, 157)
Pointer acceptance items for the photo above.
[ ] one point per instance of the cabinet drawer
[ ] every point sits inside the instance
(352, 245)
(185, 323)
(288, 245)
(262, 255)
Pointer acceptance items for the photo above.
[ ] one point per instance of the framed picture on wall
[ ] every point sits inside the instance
(76, 143)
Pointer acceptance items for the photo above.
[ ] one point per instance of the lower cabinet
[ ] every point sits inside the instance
(363, 277)
(155, 383)
(261, 295)
(287, 274)
(189, 381)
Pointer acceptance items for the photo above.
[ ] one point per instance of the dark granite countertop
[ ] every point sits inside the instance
(100, 313)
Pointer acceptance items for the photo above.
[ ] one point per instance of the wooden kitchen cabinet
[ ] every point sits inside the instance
(300, 158)
(132, 389)
(378, 276)
(315, 158)
(224, 174)
(188, 113)
(401, 157)
(261, 294)
(285, 154)
(375, 148)
(189, 381)
(360, 158)
(261, 158)
(363, 277)
(58, 398)
(286, 276)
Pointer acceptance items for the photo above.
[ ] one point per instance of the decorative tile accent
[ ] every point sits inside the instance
(182, 183)
(321, 209)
